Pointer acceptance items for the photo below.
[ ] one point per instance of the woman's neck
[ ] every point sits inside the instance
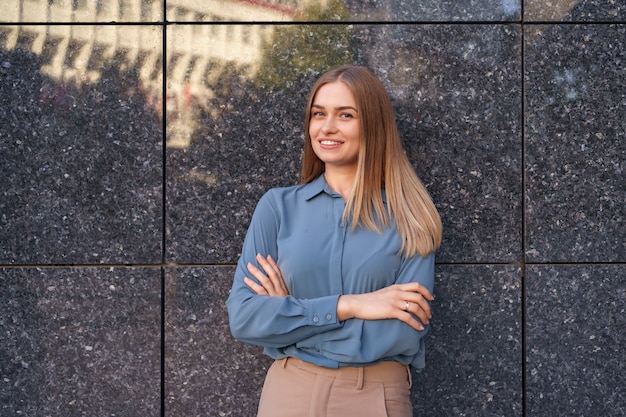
(340, 180)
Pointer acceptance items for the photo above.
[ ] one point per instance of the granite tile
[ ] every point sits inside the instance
(246, 136)
(83, 11)
(79, 341)
(575, 93)
(575, 10)
(207, 372)
(80, 147)
(434, 11)
(457, 93)
(347, 11)
(474, 348)
(575, 338)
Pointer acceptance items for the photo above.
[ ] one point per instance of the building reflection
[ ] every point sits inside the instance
(76, 53)
(196, 54)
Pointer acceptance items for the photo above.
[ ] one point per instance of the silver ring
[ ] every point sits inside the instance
(406, 306)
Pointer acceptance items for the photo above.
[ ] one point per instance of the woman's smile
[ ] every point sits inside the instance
(327, 143)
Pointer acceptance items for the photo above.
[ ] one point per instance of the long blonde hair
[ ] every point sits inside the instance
(382, 164)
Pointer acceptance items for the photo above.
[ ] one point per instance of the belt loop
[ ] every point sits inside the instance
(359, 381)
(285, 361)
(408, 370)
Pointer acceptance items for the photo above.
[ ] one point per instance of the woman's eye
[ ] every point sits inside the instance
(346, 116)
(318, 114)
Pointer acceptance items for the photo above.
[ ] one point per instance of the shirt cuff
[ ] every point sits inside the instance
(323, 311)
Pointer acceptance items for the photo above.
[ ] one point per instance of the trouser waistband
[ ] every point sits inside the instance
(388, 371)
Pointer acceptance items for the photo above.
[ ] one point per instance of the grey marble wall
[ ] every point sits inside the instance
(136, 138)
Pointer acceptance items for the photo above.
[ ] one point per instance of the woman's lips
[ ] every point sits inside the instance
(329, 142)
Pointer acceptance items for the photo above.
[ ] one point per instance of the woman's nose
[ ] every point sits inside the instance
(329, 126)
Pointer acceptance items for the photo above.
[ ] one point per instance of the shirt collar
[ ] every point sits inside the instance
(319, 185)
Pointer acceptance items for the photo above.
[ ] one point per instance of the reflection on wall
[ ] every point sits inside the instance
(196, 54)
(558, 8)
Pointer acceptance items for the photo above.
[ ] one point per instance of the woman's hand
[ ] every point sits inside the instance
(270, 280)
(400, 301)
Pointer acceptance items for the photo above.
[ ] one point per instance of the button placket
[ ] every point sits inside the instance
(336, 261)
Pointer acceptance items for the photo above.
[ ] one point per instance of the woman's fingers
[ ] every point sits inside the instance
(262, 279)
(419, 306)
(270, 266)
(416, 309)
(270, 279)
(418, 288)
(400, 302)
(410, 320)
(415, 297)
(254, 286)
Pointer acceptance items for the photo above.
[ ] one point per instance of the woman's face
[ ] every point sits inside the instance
(334, 126)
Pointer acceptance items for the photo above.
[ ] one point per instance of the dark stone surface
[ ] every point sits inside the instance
(474, 349)
(457, 91)
(575, 10)
(83, 183)
(475, 341)
(458, 101)
(359, 11)
(81, 168)
(207, 372)
(575, 340)
(575, 144)
(434, 11)
(253, 144)
(79, 342)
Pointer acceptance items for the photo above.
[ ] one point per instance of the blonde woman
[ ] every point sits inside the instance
(336, 273)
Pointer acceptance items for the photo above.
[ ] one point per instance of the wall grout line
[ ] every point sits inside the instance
(163, 24)
(227, 265)
(523, 275)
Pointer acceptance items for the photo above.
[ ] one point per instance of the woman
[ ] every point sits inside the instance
(336, 273)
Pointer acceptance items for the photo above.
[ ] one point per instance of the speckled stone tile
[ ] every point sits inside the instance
(474, 348)
(434, 11)
(207, 372)
(347, 10)
(80, 160)
(474, 359)
(457, 93)
(575, 10)
(575, 92)
(575, 328)
(79, 342)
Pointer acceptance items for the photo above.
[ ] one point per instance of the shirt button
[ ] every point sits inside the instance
(329, 317)
(316, 319)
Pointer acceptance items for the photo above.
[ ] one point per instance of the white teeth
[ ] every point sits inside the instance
(329, 142)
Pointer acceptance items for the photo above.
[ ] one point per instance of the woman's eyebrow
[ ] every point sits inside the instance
(319, 106)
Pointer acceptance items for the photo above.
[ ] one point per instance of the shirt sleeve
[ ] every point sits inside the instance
(368, 341)
(273, 321)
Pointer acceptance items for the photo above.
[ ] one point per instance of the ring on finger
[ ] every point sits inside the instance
(406, 306)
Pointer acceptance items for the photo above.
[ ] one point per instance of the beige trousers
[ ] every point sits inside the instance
(294, 388)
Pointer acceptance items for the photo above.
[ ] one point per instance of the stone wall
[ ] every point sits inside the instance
(134, 147)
